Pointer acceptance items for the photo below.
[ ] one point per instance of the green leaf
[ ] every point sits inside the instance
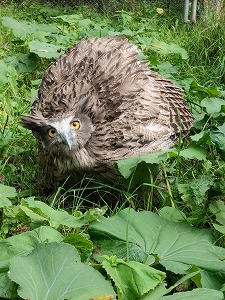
(127, 166)
(160, 291)
(38, 210)
(19, 28)
(218, 209)
(127, 32)
(54, 271)
(6, 192)
(172, 213)
(194, 152)
(133, 278)
(25, 242)
(71, 19)
(193, 192)
(93, 214)
(217, 135)
(165, 49)
(36, 219)
(83, 245)
(149, 238)
(165, 67)
(212, 280)
(3, 73)
(21, 244)
(213, 105)
(201, 120)
(219, 228)
(85, 23)
(196, 294)
(8, 288)
(156, 294)
(211, 92)
(23, 62)
(202, 138)
(185, 83)
(46, 50)
(23, 28)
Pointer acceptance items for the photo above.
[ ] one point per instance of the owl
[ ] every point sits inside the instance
(98, 103)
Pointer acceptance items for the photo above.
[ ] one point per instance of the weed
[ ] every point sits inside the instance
(189, 191)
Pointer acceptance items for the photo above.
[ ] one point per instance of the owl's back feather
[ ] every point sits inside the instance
(133, 110)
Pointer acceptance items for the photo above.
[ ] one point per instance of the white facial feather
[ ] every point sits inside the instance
(65, 133)
(62, 124)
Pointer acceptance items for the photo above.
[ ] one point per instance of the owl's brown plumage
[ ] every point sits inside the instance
(97, 104)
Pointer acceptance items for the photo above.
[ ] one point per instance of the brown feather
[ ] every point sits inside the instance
(125, 109)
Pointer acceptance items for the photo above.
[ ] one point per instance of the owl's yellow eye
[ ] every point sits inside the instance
(75, 124)
(51, 132)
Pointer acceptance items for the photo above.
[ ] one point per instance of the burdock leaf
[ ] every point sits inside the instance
(54, 271)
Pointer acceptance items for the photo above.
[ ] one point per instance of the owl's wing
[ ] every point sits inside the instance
(143, 111)
(87, 66)
(133, 109)
(153, 121)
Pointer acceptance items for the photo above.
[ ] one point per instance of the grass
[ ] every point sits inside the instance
(190, 190)
(203, 42)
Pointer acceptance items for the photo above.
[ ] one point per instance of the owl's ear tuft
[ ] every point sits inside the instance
(31, 122)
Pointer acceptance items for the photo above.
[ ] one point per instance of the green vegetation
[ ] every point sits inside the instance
(158, 240)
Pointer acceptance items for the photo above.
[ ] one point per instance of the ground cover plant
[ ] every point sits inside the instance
(159, 240)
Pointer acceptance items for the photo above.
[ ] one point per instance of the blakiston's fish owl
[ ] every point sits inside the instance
(97, 104)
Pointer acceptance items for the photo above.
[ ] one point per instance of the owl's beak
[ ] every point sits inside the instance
(67, 141)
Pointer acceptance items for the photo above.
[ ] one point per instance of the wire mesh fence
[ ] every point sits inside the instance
(100, 4)
(188, 9)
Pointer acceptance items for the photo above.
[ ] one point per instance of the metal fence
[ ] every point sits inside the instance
(100, 4)
(188, 9)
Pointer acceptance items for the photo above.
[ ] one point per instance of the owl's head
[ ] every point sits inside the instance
(66, 131)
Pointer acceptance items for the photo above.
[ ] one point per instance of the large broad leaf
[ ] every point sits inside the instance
(147, 237)
(6, 192)
(213, 105)
(173, 214)
(202, 138)
(193, 192)
(170, 48)
(71, 19)
(160, 292)
(197, 294)
(54, 271)
(39, 211)
(21, 244)
(194, 152)
(202, 90)
(23, 62)
(23, 28)
(207, 279)
(127, 166)
(217, 135)
(218, 209)
(25, 242)
(165, 67)
(83, 245)
(8, 288)
(46, 50)
(132, 278)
